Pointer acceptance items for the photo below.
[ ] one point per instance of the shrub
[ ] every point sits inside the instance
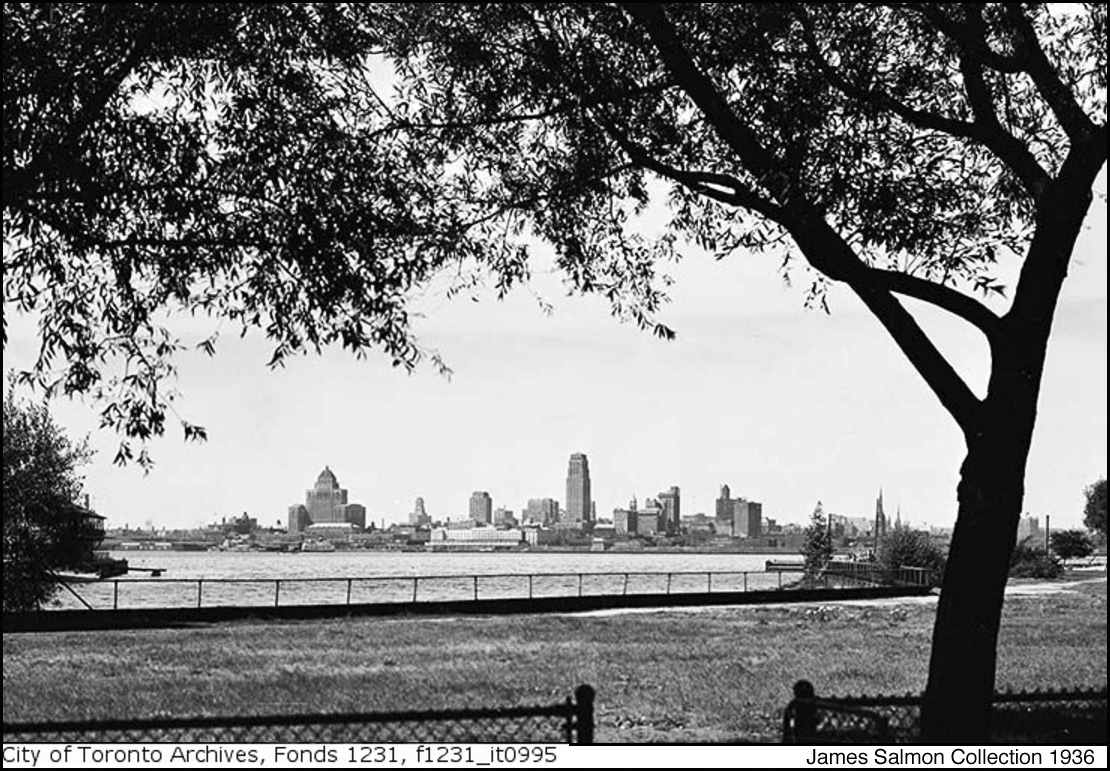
(1030, 561)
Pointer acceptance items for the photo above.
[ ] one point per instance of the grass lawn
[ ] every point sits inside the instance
(716, 674)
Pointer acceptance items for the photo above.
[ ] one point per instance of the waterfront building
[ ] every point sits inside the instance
(579, 503)
(326, 503)
(671, 502)
(480, 537)
(481, 507)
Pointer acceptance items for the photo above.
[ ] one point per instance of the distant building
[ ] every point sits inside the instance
(542, 511)
(419, 516)
(481, 507)
(724, 504)
(298, 518)
(504, 518)
(326, 503)
(671, 502)
(738, 517)
(579, 503)
(747, 518)
(625, 520)
(1029, 527)
(881, 523)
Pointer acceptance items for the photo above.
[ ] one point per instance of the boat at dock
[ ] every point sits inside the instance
(317, 545)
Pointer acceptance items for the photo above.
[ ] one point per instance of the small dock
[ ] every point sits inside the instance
(781, 566)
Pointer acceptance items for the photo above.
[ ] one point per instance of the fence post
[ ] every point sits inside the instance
(349, 580)
(529, 586)
(746, 581)
(584, 698)
(668, 583)
(709, 583)
(115, 595)
(414, 580)
(475, 587)
(579, 584)
(625, 584)
(277, 592)
(199, 584)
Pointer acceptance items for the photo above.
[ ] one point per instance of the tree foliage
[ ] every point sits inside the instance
(1094, 511)
(902, 547)
(1071, 544)
(818, 545)
(43, 527)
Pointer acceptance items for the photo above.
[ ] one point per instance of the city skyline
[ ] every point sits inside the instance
(732, 399)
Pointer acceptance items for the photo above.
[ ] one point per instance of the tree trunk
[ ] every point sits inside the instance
(969, 614)
(957, 706)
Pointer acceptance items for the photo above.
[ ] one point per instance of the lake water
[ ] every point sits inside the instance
(252, 578)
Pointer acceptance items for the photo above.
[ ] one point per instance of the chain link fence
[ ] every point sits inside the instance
(571, 722)
(1028, 717)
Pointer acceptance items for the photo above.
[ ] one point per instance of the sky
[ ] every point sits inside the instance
(787, 406)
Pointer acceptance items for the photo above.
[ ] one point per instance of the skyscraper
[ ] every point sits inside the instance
(326, 504)
(578, 490)
(672, 510)
(481, 507)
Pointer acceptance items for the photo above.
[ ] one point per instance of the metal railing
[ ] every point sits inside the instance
(129, 593)
(571, 721)
(1027, 717)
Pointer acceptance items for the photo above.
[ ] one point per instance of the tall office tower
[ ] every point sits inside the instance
(578, 489)
(671, 504)
(481, 507)
(419, 516)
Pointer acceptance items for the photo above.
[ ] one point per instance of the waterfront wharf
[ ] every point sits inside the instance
(145, 602)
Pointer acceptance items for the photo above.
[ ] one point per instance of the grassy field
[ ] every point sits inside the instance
(716, 674)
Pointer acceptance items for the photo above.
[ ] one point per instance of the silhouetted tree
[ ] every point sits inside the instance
(300, 167)
(818, 546)
(1094, 511)
(43, 523)
(1071, 544)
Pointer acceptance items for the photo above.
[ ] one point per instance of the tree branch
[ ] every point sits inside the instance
(1059, 97)
(828, 252)
(720, 187)
(945, 297)
(985, 129)
(700, 88)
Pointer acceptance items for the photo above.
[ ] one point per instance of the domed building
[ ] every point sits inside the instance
(326, 504)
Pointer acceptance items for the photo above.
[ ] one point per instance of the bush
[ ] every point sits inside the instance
(1072, 544)
(912, 548)
(1029, 561)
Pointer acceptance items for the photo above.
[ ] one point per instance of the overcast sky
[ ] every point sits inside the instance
(786, 406)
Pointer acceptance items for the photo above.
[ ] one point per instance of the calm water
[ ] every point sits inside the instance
(389, 576)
